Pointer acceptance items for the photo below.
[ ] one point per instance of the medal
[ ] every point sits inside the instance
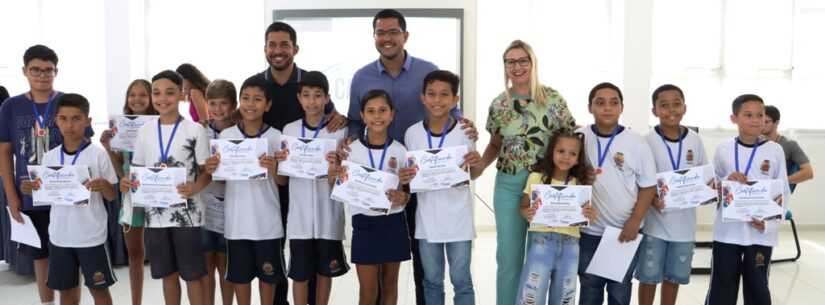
(598, 171)
(42, 120)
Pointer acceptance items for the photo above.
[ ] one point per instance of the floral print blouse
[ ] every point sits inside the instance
(526, 127)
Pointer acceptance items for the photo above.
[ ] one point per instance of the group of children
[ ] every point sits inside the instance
(620, 165)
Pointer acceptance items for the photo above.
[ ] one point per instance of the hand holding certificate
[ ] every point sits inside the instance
(157, 187)
(437, 169)
(60, 185)
(364, 187)
(686, 188)
(559, 205)
(125, 128)
(239, 159)
(306, 157)
(760, 199)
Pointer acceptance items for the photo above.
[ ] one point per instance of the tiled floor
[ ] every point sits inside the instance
(797, 283)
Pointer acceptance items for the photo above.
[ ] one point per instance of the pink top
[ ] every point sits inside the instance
(193, 112)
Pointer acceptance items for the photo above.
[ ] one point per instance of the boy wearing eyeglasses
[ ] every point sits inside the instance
(27, 132)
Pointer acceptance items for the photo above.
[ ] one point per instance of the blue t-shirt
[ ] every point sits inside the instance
(405, 91)
(17, 127)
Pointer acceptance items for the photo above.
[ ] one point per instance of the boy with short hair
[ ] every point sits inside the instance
(744, 248)
(624, 186)
(77, 235)
(27, 131)
(315, 224)
(667, 248)
(796, 161)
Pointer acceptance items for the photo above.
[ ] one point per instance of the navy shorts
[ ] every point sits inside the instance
(40, 220)
(213, 241)
(171, 250)
(65, 265)
(248, 259)
(380, 239)
(308, 257)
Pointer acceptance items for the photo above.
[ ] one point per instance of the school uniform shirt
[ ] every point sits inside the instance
(253, 208)
(628, 166)
(359, 153)
(445, 215)
(312, 214)
(81, 227)
(189, 149)
(677, 225)
(215, 192)
(768, 163)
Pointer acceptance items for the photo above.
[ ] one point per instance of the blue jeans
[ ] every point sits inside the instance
(593, 286)
(552, 261)
(458, 256)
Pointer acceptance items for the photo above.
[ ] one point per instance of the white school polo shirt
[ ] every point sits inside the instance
(768, 163)
(676, 225)
(446, 215)
(628, 166)
(312, 214)
(253, 208)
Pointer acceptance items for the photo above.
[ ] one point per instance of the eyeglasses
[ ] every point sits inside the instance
(522, 62)
(391, 33)
(37, 72)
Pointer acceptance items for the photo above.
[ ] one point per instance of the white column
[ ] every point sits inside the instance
(638, 63)
(116, 42)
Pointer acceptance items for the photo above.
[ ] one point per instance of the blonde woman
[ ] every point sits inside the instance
(521, 121)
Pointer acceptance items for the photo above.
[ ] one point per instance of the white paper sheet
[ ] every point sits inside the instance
(613, 258)
(24, 233)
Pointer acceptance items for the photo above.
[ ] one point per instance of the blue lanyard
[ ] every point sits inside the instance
(76, 154)
(750, 159)
(164, 153)
(601, 156)
(443, 134)
(317, 130)
(383, 154)
(675, 164)
(43, 119)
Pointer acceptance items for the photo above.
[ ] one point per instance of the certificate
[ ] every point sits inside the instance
(759, 199)
(158, 187)
(60, 185)
(125, 129)
(612, 258)
(214, 211)
(437, 169)
(687, 188)
(559, 205)
(364, 187)
(306, 157)
(240, 159)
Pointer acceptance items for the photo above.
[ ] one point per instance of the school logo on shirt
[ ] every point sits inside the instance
(98, 278)
(760, 259)
(267, 268)
(618, 160)
(393, 163)
(765, 167)
(689, 157)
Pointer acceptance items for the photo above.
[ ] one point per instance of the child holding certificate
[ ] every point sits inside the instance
(77, 235)
(138, 102)
(667, 247)
(315, 225)
(172, 144)
(553, 255)
(742, 250)
(252, 213)
(221, 104)
(380, 240)
(623, 189)
(444, 218)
